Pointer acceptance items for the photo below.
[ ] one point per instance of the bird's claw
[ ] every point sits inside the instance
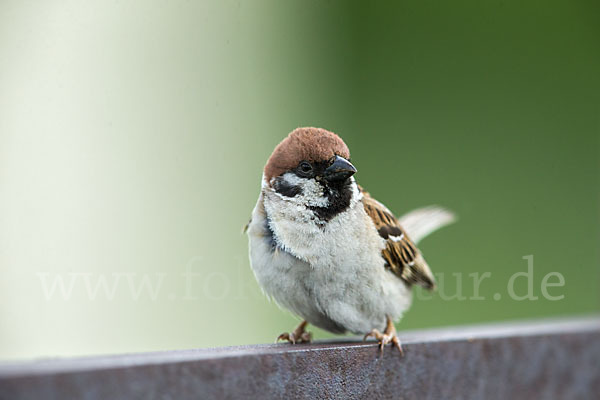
(388, 336)
(304, 337)
(298, 335)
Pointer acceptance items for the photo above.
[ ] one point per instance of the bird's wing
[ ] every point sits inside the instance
(400, 253)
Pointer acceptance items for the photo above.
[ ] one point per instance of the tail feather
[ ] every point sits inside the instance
(422, 222)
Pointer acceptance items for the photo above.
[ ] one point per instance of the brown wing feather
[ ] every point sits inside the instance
(400, 253)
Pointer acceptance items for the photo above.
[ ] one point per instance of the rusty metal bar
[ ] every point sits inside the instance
(553, 359)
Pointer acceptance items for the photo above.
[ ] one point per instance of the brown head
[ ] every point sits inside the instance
(313, 145)
(311, 169)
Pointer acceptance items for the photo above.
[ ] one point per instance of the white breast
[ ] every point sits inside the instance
(331, 274)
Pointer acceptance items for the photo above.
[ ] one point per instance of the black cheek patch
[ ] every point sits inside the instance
(285, 189)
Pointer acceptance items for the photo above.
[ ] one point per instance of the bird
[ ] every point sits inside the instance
(323, 248)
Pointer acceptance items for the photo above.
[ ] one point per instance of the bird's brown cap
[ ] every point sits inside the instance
(304, 144)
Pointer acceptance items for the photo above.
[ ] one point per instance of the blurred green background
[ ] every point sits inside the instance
(133, 134)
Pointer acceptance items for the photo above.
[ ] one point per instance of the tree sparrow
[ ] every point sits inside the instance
(323, 248)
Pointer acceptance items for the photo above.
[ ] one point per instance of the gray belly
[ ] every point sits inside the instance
(288, 281)
(336, 294)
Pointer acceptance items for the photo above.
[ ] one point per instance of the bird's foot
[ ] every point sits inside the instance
(298, 335)
(388, 336)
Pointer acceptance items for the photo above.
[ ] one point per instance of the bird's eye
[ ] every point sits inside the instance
(305, 167)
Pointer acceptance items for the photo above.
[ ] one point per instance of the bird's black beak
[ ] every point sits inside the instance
(340, 170)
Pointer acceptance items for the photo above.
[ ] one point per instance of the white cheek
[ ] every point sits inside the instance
(293, 179)
(263, 182)
(312, 192)
(356, 193)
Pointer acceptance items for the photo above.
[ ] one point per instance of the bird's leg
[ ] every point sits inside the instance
(389, 335)
(298, 335)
